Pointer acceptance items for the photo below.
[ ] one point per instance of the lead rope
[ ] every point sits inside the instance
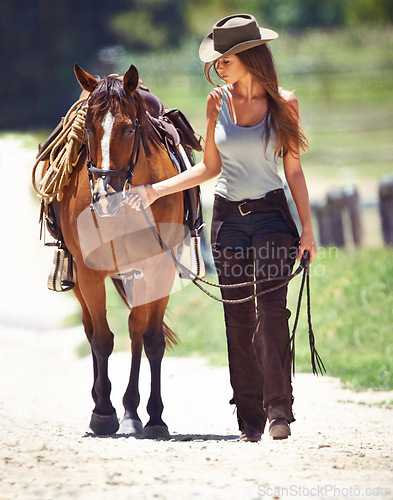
(316, 361)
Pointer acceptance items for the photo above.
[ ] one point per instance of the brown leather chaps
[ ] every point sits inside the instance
(257, 330)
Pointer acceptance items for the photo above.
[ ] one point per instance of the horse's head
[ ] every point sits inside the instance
(113, 136)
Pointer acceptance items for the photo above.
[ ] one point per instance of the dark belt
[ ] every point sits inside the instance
(248, 206)
(273, 200)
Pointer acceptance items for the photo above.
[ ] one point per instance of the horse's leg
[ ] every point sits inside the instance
(92, 288)
(88, 326)
(150, 329)
(154, 343)
(131, 423)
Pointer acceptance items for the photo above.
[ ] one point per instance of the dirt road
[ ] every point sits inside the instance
(341, 444)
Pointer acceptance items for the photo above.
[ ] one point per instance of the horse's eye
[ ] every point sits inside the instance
(87, 130)
(131, 130)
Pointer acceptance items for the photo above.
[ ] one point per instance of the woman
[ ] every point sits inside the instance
(251, 123)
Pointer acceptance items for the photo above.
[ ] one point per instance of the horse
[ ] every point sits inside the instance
(109, 239)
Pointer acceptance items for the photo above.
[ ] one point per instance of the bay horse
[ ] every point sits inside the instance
(109, 239)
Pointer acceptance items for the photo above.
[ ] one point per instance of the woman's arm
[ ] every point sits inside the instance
(209, 167)
(297, 184)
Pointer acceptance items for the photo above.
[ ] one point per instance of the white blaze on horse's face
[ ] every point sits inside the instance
(107, 125)
(100, 193)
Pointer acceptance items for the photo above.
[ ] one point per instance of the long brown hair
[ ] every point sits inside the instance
(283, 119)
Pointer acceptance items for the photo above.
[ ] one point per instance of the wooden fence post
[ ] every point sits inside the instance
(354, 210)
(322, 212)
(335, 200)
(330, 217)
(386, 209)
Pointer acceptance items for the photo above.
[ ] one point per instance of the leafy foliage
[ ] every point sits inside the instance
(40, 40)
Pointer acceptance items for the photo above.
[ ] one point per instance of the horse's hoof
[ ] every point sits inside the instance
(104, 425)
(156, 432)
(131, 427)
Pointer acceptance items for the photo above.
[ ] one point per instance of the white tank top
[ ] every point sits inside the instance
(248, 170)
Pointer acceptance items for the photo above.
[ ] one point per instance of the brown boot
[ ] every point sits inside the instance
(279, 428)
(249, 435)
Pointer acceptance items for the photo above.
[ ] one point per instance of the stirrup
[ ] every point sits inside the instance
(62, 274)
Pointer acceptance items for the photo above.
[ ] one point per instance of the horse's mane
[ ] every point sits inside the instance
(109, 93)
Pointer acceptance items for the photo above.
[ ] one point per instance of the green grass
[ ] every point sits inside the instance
(385, 405)
(352, 315)
(352, 309)
(199, 323)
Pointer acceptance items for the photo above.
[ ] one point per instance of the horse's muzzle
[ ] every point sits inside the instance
(107, 204)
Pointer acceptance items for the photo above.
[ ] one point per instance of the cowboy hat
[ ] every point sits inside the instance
(233, 34)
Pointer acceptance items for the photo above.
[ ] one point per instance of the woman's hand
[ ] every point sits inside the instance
(142, 195)
(307, 242)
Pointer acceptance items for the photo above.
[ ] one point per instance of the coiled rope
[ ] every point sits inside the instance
(62, 153)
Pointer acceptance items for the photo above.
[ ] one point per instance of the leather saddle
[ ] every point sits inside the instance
(180, 140)
(170, 122)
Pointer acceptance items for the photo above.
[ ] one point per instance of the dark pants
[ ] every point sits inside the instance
(258, 245)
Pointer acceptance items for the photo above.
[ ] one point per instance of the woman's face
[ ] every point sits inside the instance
(231, 69)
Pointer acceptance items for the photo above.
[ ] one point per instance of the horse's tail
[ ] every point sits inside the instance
(170, 336)
(118, 284)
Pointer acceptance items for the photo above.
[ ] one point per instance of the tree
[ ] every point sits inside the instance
(40, 40)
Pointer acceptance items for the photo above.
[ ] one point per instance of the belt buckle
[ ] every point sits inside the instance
(240, 209)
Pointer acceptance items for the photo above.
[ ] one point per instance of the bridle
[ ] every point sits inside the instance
(92, 169)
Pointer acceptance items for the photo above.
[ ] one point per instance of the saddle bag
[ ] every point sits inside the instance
(180, 140)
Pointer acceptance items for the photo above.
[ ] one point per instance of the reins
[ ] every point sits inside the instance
(304, 266)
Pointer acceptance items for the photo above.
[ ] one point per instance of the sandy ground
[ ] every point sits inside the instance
(341, 444)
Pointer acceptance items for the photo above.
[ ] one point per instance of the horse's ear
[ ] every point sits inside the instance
(131, 79)
(86, 81)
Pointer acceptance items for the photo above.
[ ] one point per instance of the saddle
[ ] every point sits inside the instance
(180, 141)
(172, 121)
